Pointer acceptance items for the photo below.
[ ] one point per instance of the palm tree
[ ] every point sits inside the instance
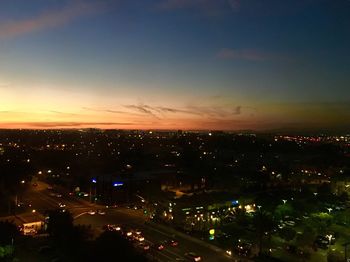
(264, 225)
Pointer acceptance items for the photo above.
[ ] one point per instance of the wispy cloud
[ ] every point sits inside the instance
(234, 4)
(64, 124)
(243, 54)
(145, 109)
(61, 113)
(5, 85)
(175, 110)
(201, 111)
(216, 112)
(207, 7)
(50, 19)
(104, 110)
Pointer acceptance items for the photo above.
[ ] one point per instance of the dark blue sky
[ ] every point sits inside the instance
(225, 64)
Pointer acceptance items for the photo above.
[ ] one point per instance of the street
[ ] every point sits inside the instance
(42, 199)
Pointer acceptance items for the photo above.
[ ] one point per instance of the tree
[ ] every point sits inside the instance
(287, 233)
(335, 256)
(264, 223)
(70, 241)
(307, 238)
(9, 232)
(60, 224)
(283, 210)
(112, 245)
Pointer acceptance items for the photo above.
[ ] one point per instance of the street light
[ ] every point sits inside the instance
(329, 210)
(284, 201)
(94, 181)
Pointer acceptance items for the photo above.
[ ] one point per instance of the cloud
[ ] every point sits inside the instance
(49, 19)
(237, 110)
(5, 85)
(243, 54)
(64, 124)
(234, 4)
(179, 4)
(174, 110)
(104, 110)
(145, 109)
(209, 111)
(61, 113)
(216, 112)
(207, 7)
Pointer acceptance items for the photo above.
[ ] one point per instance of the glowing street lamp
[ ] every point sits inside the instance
(284, 201)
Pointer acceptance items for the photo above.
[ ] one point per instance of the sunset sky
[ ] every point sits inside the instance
(175, 64)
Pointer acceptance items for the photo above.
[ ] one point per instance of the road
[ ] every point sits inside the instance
(43, 199)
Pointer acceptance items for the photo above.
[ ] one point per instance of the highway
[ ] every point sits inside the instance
(43, 199)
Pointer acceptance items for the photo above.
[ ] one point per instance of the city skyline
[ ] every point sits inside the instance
(175, 64)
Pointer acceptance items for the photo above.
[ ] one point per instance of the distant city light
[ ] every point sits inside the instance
(117, 184)
(94, 180)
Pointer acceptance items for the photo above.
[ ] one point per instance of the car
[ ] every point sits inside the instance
(101, 212)
(171, 242)
(58, 195)
(112, 228)
(243, 247)
(193, 256)
(61, 205)
(19, 204)
(45, 249)
(35, 184)
(290, 223)
(145, 247)
(49, 188)
(325, 240)
(293, 249)
(92, 212)
(129, 235)
(228, 252)
(139, 238)
(159, 246)
(137, 232)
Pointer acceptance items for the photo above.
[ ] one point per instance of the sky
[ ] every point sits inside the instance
(175, 64)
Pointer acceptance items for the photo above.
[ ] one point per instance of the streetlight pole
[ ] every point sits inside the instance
(93, 181)
(346, 250)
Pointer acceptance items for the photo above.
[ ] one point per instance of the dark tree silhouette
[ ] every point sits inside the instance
(8, 232)
(111, 246)
(264, 223)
